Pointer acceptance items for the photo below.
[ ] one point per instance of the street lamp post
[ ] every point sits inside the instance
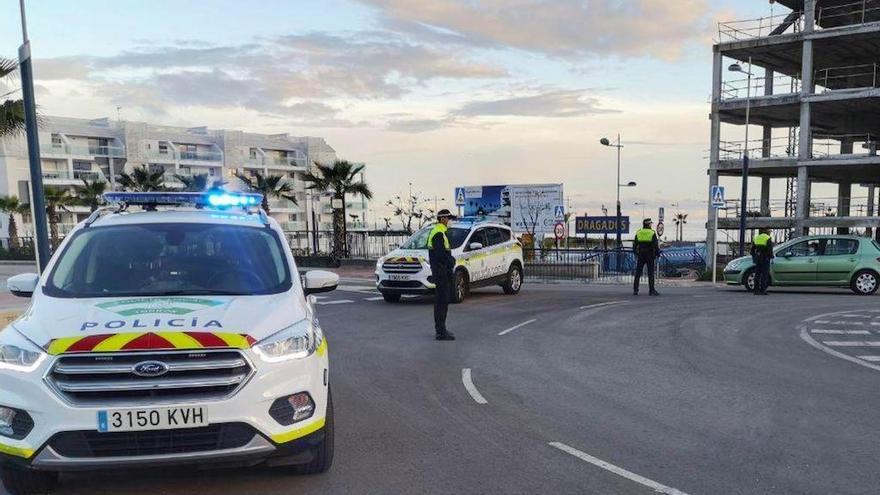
(745, 167)
(607, 142)
(41, 233)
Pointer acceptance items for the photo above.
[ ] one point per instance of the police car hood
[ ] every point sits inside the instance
(403, 254)
(252, 318)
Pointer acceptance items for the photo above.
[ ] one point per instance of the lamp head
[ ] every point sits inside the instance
(735, 67)
(605, 142)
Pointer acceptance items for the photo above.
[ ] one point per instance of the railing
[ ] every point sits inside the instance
(848, 77)
(77, 175)
(819, 207)
(281, 203)
(203, 156)
(858, 12)
(609, 266)
(829, 145)
(370, 245)
(780, 147)
(81, 150)
(760, 27)
(282, 161)
(782, 84)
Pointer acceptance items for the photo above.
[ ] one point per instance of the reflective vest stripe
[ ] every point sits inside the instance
(645, 235)
(438, 229)
(762, 239)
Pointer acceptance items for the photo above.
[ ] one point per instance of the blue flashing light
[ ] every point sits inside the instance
(216, 199)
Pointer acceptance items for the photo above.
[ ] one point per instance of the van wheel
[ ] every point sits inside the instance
(27, 482)
(461, 287)
(324, 451)
(514, 280)
(865, 282)
(749, 279)
(391, 297)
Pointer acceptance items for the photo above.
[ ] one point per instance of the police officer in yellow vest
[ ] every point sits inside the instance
(442, 265)
(762, 253)
(647, 248)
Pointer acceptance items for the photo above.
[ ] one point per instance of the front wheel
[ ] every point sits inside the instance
(865, 282)
(514, 280)
(27, 482)
(749, 279)
(460, 287)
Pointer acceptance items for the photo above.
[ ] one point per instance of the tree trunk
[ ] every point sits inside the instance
(53, 227)
(338, 233)
(13, 233)
(266, 203)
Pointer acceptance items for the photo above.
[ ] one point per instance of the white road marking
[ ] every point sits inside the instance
(338, 301)
(876, 323)
(469, 386)
(657, 487)
(505, 332)
(821, 321)
(870, 358)
(805, 335)
(840, 332)
(374, 298)
(855, 316)
(852, 343)
(599, 305)
(856, 323)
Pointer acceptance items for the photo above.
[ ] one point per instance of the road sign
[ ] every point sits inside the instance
(660, 229)
(459, 196)
(600, 225)
(559, 230)
(661, 217)
(717, 196)
(559, 212)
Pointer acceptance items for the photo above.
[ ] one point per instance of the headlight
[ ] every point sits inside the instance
(294, 342)
(17, 354)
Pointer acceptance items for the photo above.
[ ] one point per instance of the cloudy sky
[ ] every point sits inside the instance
(434, 92)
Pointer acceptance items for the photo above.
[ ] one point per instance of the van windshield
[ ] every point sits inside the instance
(170, 259)
(419, 240)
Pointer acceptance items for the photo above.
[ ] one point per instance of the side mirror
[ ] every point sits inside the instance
(788, 254)
(475, 246)
(317, 281)
(23, 285)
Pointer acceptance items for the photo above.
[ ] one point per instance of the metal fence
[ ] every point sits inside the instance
(19, 249)
(611, 266)
(361, 245)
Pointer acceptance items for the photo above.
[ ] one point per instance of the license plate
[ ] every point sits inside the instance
(165, 418)
(398, 277)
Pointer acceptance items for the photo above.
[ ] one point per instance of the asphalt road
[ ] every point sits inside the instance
(699, 391)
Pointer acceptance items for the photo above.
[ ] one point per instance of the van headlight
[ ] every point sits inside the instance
(17, 354)
(297, 341)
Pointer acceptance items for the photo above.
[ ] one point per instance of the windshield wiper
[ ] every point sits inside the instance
(203, 292)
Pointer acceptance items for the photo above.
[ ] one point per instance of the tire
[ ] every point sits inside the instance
(748, 280)
(865, 282)
(324, 451)
(514, 280)
(27, 482)
(391, 297)
(460, 287)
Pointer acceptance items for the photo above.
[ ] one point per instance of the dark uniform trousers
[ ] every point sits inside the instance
(762, 273)
(443, 292)
(642, 262)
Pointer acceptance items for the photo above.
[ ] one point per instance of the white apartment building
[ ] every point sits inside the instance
(75, 149)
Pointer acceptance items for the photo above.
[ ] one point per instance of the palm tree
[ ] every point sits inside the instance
(338, 179)
(89, 193)
(270, 186)
(11, 111)
(142, 179)
(680, 220)
(57, 200)
(198, 182)
(13, 206)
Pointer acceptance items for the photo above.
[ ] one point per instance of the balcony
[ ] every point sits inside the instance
(298, 162)
(170, 156)
(775, 25)
(282, 204)
(66, 177)
(293, 226)
(81, 150)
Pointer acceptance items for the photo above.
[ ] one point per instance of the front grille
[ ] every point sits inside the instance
(402, 267)
(109, 379)
(79, 444)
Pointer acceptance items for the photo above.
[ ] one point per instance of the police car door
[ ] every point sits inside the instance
(496, 262)
(475, 254)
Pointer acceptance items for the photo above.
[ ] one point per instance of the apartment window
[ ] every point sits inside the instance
(163, 149)
(253, 153)
(56, 141)
(185, 171)
(291, 217)
(82, 166)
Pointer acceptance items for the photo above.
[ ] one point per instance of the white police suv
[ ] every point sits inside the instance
(486, 254)
(180, 336)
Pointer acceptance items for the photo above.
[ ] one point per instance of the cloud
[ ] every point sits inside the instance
(418, 125)
(563, 28)
(559, 103)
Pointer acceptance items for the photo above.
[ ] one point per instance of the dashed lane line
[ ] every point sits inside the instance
(852, 343)
(374, 298)
(505, 332)
(469, 386)
(657, 487)
(870, 358)
(831, 331)
(337, 301)
(600, 305)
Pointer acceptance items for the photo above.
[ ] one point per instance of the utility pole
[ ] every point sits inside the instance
(41, 233)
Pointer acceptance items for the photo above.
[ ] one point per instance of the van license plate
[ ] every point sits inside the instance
(166, 418)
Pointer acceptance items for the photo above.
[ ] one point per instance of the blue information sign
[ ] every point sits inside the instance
(601, 225)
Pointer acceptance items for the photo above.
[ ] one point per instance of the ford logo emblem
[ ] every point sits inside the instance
(150, 369)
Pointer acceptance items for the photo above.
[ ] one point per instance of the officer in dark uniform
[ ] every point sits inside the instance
(647, 248)
(762, 253)
(442, 265)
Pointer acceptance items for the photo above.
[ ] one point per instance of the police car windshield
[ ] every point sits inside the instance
(170, 259)
(419, 240)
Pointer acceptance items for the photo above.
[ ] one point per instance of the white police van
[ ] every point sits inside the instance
(181, 336)
(486, 254)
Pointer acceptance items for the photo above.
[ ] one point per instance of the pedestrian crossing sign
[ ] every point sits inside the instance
(718, 196)
(459, 196)
(559, 212)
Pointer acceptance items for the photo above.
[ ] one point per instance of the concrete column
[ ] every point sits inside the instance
(765, 196)
(846, 146)
(844, 200)
(809, 15)
(803, 201)
(714, 150)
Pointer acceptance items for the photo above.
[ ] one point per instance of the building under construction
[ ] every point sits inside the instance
(807, 83)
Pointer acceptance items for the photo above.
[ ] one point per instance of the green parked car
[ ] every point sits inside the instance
(819, 260)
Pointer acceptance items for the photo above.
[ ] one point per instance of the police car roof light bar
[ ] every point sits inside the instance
(213, 199)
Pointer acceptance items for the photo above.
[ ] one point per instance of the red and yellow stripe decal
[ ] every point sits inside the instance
(150, 341)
